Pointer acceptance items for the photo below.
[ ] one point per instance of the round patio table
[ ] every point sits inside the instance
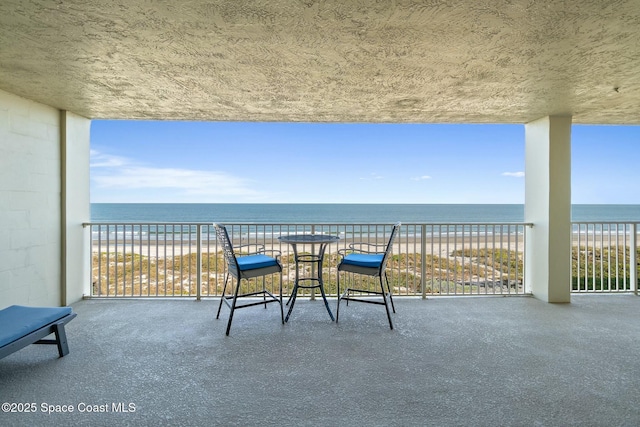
(301, 259)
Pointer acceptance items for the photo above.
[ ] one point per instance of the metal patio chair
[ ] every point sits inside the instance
(369, 260)
(247, 266)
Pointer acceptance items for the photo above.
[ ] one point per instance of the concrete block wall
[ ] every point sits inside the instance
(30, 209)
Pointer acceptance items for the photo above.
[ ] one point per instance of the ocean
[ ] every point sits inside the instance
(341, 213)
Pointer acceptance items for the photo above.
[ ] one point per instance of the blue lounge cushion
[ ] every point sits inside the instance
(251, 262)
(364, 260)
(18, 321)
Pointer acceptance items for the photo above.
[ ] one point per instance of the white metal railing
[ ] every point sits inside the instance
(604, 257)
(185, 260)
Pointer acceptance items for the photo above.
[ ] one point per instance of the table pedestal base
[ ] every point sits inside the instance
(294, 294)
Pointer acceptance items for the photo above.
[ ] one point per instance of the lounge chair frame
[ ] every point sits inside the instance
(36, 336)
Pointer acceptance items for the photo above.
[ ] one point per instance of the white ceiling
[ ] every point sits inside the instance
(430, 61)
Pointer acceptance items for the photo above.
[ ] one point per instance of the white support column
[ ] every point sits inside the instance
(75, 205)
(548, 207)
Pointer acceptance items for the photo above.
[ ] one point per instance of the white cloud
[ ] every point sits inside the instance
(190, 181)
(100, 160)
(112, 173)
(420, 178)
(514, 174)
(372, 176)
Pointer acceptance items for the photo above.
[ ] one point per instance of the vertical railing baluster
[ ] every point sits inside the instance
(448, 234)
(432, 269)
(140, 257)
(406, 257)
(108, 259)
(173, 259)
(524, 249)
(594, 260)
(587, 277)
(624, 258)
(124, 260)
(99, 260)
(198, 261)
(486, 241)
(577, 261)
(313, 264)
(115, 249)
(509, 252)
(610, 273)
(493, 254)
(617, 257)
(423, 260)
(602, 282)
(517, 264)
(164, 257)
(148, 228)
(133, 269)
(633, 261)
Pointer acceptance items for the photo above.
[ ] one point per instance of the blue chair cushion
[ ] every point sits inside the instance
(251, 262)
(364, 260)
(18, 321)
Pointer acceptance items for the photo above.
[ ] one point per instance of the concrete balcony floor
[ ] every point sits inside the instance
(450, 361)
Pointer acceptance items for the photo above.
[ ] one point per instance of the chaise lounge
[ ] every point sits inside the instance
(21, 326)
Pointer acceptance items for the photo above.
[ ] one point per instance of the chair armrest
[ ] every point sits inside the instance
(259, 249)
(343, 253)
(357, 248)
(367, 248)
(275, 253)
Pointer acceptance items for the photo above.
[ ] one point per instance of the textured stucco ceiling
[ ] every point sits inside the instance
(497, 61)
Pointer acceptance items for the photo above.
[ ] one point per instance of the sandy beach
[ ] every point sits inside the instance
(435, 246)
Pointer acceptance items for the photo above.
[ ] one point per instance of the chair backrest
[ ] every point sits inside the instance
(394, 233)
(227, 247)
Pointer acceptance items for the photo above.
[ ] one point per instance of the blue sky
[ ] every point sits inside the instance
(222, 162)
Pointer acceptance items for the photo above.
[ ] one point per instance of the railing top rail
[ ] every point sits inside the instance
(87, 224)
(605, 222)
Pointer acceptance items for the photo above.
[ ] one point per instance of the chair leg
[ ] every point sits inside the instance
(386, 304)
(339, 297)
(292, 301)
(264, 288)
(61, 339)
(390, 293)
(233, 306)
(347, 290)
(281, 307)
(326, 303)
(224, 289)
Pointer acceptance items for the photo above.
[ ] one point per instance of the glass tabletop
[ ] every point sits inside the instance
(308, 238)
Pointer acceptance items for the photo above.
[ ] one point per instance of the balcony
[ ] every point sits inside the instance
(450, 361)
(146, 348)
